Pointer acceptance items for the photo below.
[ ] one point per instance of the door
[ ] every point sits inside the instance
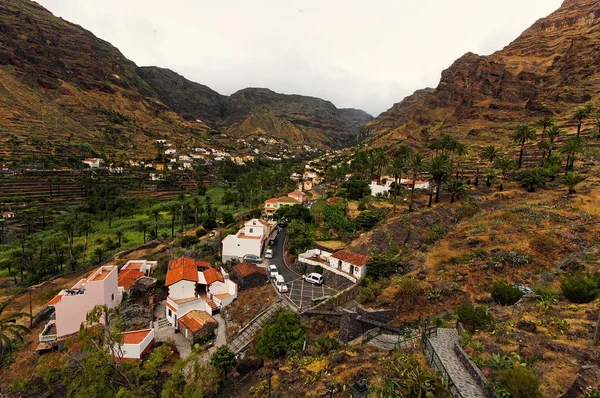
(175, 320)
(351, 269)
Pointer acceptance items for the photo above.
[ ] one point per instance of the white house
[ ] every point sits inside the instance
(136, 343)
(248, 240)
(196, 285)
(350, 265)
(94, 163)
(170, 151)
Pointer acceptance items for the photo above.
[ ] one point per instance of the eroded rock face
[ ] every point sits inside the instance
(549, 69)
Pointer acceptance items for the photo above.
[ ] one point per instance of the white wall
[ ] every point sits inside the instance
(234, 247)
(182, 289)
(375, 189)
(135, 350)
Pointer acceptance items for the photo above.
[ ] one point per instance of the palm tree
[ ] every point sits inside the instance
(571, 148)
(597, 124)
(532, 178)
(505, 164)
(571, 180)
(440, 169)
(119, 235)
(398, 166)
(416, 165)
(461, 151)
(457, 188)
(580, 115)
(544, 123)
(181, 215)
(10, 332)
(173, 212)
(142, 227)
(197, 209)
(521, 135)
(553, 132)
(379, 161)
(85, 227)
(156, 214)
(489, 153)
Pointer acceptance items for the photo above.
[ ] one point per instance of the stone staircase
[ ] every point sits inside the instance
(212, 304)
(162, 323)
(247, 333)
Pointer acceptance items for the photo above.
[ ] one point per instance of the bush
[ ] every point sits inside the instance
(355, 189)
(579, 288)
(362, 205)
(366, 295)
(380, 267)
(367, 220)
(200, 233)
(505, 294)
(279, 335)
(474, 318)
(327, 345)
(223, 359)
(521, 382)
(318, 269)
(188, 240)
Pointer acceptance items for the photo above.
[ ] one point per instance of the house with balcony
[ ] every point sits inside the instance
(270, 206)
(351, 266)
(249, 240)
(135, 275)
(195, 285)
(72, 305)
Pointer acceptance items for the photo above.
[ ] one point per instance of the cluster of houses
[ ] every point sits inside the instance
(196, 291)
(251, 239)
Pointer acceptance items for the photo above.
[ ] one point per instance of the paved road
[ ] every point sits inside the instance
(300, 292)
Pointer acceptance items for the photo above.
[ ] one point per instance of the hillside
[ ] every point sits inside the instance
(549, 70)
(61, 87)
(259, 112)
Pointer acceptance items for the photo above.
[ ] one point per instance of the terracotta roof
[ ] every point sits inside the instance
(55, 299)
(244, 236)
(245, 269)
(195, 320)
(272, 200)
(128, 276)
(171, 306)
(287, 199)
(184, 268)
(212, 275)
(135, 337)
(297, 193)
(353, 258)
(250, 222)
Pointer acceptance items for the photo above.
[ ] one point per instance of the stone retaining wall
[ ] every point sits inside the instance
(473, 369)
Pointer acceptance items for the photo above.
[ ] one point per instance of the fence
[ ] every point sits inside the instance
(401, 340)
(436, 363)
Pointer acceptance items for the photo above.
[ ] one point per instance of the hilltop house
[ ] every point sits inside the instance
(386, 184)
(94, 163)
(8, 215)
(350, 265)
(135, 343)
(135, 275)
(196, 285)
(248, 240)
(72, 305)
(299, 196)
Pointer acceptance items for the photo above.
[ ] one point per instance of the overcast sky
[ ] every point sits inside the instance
(364, 54)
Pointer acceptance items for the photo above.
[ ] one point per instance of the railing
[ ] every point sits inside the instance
(436, 363)
(46, 338)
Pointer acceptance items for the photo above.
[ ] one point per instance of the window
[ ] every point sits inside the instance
(112, 297)
(251, 230)
(339, 264)
(170, 313)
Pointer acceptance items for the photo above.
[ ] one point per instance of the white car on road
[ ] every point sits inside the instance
(269, 253)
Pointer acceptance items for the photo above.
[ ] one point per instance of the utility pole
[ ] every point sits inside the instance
(30, 311)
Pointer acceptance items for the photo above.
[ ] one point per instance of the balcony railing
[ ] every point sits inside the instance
(49, 332)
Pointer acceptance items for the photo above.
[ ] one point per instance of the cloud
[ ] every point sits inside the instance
(354, 53)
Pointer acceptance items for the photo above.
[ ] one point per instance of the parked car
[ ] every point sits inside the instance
(269, 253)
(314, 278)
(273, 240)
(273, 271)
(280, 283)
(251, 258)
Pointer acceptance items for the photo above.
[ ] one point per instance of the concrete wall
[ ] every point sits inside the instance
(182, 289)
(135, 350)
(358, 273)
(237, 248)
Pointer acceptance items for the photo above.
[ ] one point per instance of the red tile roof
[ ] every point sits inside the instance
(212, 275)
(135, 337)
(55, 299)
(287, 199)
(128, 276)
(245, 269)
(295, 193)
(184, 268)
(353, 258)
(272, 200)
(195, 320)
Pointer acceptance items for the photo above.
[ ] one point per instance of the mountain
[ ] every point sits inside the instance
(65, 93)
(550, 69)
(259, 112)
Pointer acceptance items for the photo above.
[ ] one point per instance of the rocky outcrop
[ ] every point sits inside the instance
(549, 69)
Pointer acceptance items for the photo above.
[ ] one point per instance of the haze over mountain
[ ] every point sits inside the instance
(550, 69)
(60, 84)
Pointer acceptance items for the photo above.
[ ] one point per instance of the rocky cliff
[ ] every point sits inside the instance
(550, 69)
(61, 87)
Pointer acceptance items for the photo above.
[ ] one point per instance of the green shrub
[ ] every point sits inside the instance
(521, 382)
(318, 269)
(545, 297)
(381, 267)
(366, 295)
(505, 294)
(188, 240)
(223, 359)
(579, 288)
(327, 345)
(473, 317)
(200, 233)
(367, 220)
(280, 334)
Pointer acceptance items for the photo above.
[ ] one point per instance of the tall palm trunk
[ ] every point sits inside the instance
(578, 129)
(438, 186)
(521, 153)
(412, 192)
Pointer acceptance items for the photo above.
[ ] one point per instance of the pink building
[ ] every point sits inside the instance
(72, 305)
(299, 196)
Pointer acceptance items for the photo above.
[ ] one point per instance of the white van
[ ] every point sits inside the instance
(314, 278)
(280, 283)
(273, 271)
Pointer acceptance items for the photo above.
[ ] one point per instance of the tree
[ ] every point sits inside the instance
(173, 211)
(355, 189)
(366, 220)
(489, 153)
(300, 237)
(380, 267)
(157, 215)
(544, 123)
(571, 148)
(223, 359)
(294, 212)
(119, 235)
(143, 228)
(398, 166)
(460, 151)
(416, 165)
(505, 164)
(197, 209)
(521, 135)
(457, 188)
(580, 115)
(553, 132)
(10, 331)
(532, 178)
(440, 169)
(280, 334)
(571, 180)
(379, 161)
